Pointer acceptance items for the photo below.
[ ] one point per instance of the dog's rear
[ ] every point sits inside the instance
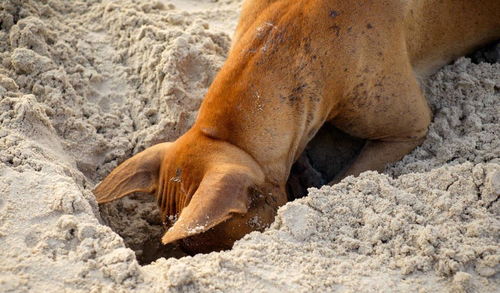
(438, 32)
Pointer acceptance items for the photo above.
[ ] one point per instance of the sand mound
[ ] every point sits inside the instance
(85, 84)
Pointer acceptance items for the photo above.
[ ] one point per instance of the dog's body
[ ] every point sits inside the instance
(293, 66)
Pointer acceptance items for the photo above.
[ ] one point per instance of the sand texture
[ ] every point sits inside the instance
(86, 84)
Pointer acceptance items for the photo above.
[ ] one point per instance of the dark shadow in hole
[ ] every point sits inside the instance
(487, 54)
(325, 156)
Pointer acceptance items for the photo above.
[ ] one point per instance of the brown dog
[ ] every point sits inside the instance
(294, 65)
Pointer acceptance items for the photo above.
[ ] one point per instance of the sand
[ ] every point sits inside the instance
(86, 84)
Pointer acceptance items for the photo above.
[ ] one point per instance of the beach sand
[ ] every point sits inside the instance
(84, 85)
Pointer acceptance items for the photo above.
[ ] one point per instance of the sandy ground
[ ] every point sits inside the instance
(85, 84)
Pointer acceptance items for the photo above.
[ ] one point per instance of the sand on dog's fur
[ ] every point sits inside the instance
(85, 84)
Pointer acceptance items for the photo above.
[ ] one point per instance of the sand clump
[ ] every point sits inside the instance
(85, 84)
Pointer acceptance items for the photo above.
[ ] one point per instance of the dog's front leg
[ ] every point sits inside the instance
(375, 155)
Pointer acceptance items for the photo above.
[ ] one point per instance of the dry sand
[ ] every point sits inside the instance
(85, 84)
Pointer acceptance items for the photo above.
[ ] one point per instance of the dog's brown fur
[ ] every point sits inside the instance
(294, 65)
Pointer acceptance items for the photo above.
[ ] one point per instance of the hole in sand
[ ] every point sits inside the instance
(136, 218)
